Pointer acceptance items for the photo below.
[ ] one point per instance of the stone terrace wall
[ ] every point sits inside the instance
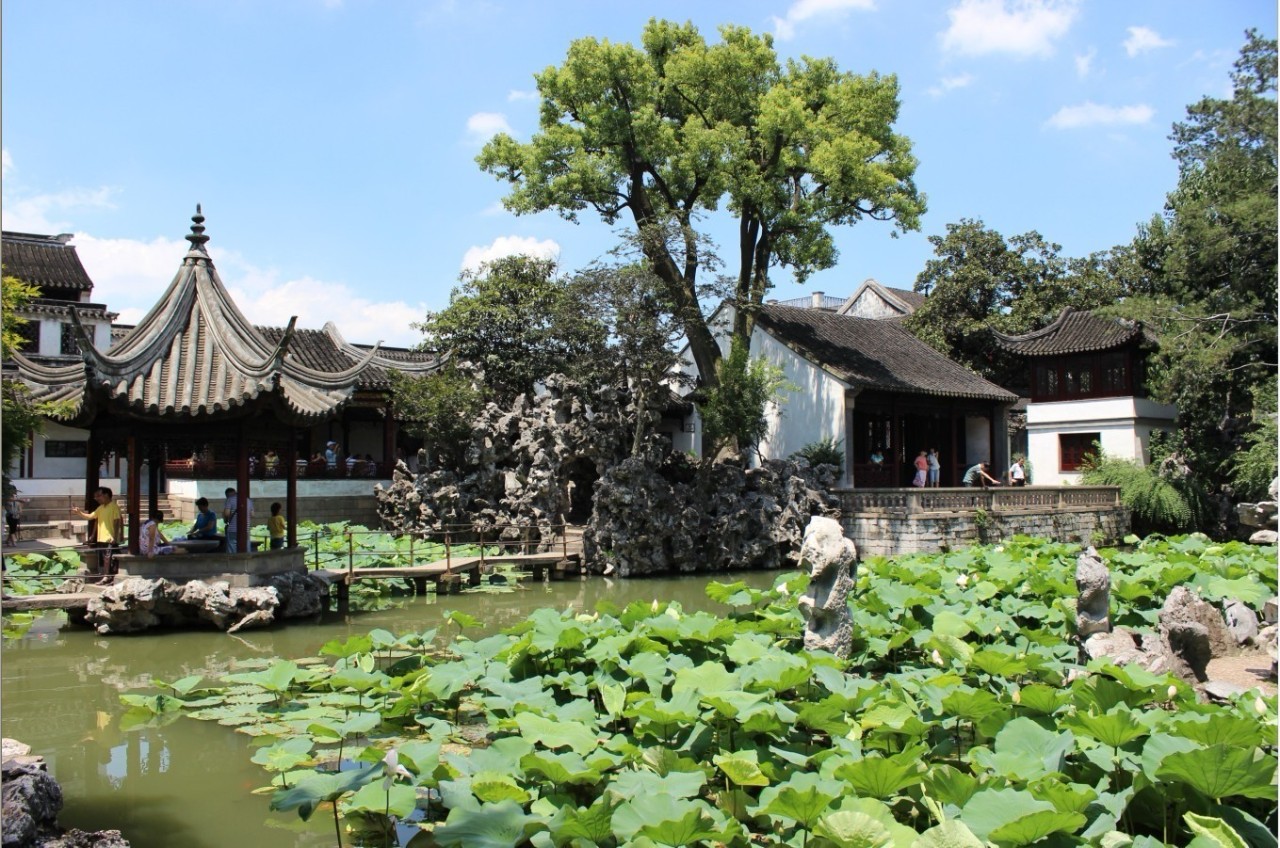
(898, 521)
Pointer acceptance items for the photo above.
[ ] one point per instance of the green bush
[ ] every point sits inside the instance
(827, 451)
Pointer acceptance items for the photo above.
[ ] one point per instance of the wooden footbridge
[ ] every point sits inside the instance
(448, 575)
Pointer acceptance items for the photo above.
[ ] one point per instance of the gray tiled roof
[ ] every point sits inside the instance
(45, 261)
(912, 298)
(325, 350)
(194, 354)
(1073, 332)
(874, 354)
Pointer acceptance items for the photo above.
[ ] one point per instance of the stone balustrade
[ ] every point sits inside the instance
(897, 521)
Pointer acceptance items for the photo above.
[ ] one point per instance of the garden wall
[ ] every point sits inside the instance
(897, 521)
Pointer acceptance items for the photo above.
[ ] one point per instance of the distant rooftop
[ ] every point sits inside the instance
(49, 262)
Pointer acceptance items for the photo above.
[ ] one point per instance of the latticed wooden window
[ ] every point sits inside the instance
(30, 334)
(70, 346)
(1074, 447)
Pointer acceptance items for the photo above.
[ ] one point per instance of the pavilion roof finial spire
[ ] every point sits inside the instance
(197, 237)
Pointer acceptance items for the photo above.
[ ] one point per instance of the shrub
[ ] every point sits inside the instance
(823, 452)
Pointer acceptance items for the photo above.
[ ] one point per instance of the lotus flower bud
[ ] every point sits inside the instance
(937, 657)
(783, 590)
(962, 580)
(654, 607)
(1260, 705)
(1173, 691)
(1017, 696)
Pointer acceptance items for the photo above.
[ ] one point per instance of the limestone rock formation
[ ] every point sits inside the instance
(527, 468)
(1241, 621)
(138, 603)
(681, 515)
(31, 800)
(832, 560)
(1093, 582)
(1259, 520)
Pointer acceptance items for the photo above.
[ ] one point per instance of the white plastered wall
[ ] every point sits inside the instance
(815, 401)
(1124, 426)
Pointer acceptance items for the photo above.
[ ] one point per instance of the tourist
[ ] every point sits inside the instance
(877, 458)
(229, 510)
(370, 466)
(109, 531)
(922, 470)
(272, 463)
(978, 476)
(935, 468)
(152, 542)
(206, 526)
(13, 514)
(353, 464)
(331, 456)
(275, 527)
(1017, 474)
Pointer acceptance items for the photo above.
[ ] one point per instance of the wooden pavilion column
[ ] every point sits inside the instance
(134, 497)
(242, 490)
(388, 438)
(291, 488)
(92, 480)
(153, 478)
(955, 457)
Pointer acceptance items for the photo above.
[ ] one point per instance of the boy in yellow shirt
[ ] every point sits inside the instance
(275, 526)
(109, 531)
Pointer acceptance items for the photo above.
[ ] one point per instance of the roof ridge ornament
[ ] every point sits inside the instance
(197, 237)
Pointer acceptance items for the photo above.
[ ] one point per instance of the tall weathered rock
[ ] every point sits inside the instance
(832, 560)
(1093, 583)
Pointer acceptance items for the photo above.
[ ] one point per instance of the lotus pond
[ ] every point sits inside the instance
(962, 719)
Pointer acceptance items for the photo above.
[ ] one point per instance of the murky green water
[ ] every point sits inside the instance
(189, 783)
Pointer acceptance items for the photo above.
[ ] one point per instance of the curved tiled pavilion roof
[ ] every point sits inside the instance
(1073, 332)
(875, 354)
(45, 261)
(194, 355)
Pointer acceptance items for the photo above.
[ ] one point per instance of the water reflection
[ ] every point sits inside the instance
(190, 782)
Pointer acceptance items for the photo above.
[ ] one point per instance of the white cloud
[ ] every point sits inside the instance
(1094, 115)
(483, 126)
(1142, 39)
(803, 10)
(1084, 63)
(509, 246)
(47, 213)
(947, 84)
(516, 95)
(7, 162)
(1022, 28)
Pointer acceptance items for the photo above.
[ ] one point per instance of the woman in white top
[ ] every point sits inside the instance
(152, 542)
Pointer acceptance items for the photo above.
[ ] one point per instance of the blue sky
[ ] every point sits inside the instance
(332, 142)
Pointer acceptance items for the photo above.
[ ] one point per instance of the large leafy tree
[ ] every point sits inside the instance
(677, 128)
(21, 415)
(1203, 274)
(518, 321)
(979, 281)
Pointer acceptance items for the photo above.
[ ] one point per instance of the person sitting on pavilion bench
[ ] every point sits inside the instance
(152, 541)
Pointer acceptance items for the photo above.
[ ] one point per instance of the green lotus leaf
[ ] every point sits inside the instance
(1118, 726)
(950, 647)
(972, 704)
(284, 755)
(999, 663)
(707, 677)
(181, 687)
(949, 834)
(500, 825)
(153, 704)
(447, 679)
(741, 767)
(949, 785)
(399, 800)
(357, 679)
(560, 768)
(803, 798)
(613, 696)
(733, 703)
(681, 709)
(777, 672)
(1014, 817)
(1221, 771)
(949, 623)
(1024, 750)
(491, 787)
(1221, 729)
(1160, 746)
(883, 777)
(1254, 832)
(1042, 699)
(825, 717)
(1218, 832)
(848, 829)
(277, 677)
(633, 814)
(1065, 797)
(307, 793)
(593, 824)
(557, 734)
(354, 725)
(693, 827)
(505, 695)
(650, 667)
(632, 783)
